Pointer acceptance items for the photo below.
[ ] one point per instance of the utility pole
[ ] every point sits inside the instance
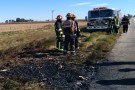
(52, 14)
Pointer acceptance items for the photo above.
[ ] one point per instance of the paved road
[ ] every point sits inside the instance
(118, 73)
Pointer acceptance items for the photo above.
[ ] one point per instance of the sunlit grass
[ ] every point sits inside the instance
(17, 40)
(101, 46)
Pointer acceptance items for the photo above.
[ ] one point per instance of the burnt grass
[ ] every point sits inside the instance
(50, 67)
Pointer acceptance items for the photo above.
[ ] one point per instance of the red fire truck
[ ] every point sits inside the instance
(99, 18)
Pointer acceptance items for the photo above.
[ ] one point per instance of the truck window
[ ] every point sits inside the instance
(100, 13)
(106, 13)
(93, 14)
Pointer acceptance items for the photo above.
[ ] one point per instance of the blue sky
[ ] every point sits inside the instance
(42, 9)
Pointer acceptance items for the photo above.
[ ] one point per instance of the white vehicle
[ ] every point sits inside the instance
(100, 18)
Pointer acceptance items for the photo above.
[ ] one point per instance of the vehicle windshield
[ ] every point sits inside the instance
(100, 13)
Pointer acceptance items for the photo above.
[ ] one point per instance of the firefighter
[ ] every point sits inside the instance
(59, 33)
(77, 33)
(111, 24)
(114, 24)
(69, 27)
(125, 22)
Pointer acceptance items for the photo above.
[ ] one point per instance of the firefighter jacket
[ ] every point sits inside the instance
(125, 21)
(115, 22)
(58, 28)
(69, 27)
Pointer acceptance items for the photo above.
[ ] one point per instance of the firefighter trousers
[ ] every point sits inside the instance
(76, 42)
(69, 39)
(59, 43)
(125, 28)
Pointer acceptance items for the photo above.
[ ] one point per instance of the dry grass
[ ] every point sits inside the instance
(99, 44)
(14, 41)
(91, 38)
(16, 37)
(82, 23)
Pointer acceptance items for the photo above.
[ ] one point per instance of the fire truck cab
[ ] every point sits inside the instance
(100, 18)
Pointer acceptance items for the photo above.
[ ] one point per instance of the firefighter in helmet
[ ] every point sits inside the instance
(69, 27)
(77, 33)
(59, 33)
(125, 22)
(114, 24)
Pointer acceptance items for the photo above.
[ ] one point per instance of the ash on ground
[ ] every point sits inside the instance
(60, 75)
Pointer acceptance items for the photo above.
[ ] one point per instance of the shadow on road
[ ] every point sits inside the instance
(128, 81)
(126, 70)
(116, 63)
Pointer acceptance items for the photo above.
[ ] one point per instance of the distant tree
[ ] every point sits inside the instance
(18, 20)
(12, 21)
(22, 20)
(31, 20)
(6, 21)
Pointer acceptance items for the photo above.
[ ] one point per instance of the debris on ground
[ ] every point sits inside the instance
(54, 71)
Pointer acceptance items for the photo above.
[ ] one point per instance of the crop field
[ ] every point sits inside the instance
(25, 26)
(29, 26)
